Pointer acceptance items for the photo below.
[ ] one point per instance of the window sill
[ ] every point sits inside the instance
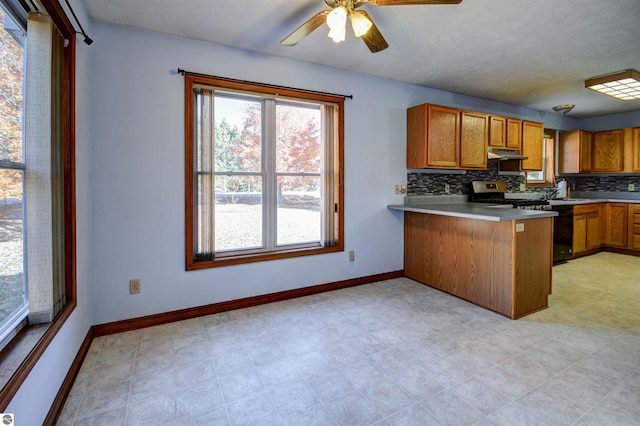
(263, 257)
(539, 185)
(21, 355)
(18, 350)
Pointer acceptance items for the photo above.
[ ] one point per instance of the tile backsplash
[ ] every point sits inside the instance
(602, 183)
(433, 184)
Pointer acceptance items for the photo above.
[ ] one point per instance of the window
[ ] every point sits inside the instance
(38, 175)
(264, 172)
(13, 288)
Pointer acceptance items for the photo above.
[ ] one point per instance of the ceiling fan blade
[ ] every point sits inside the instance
(410, 2)
(373, 38)
(305, 29)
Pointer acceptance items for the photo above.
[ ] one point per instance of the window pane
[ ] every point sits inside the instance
(299, 218)
(11, 69)
(298, 147)
(238, 137)
(238, 212)
(13, 295)
(535, 176)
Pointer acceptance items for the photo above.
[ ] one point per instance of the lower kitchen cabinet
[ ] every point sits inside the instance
(634, 226)
(502, 266)
(616, 228)
(586, 227)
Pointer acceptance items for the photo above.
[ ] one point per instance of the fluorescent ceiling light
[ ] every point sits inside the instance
(623, 85)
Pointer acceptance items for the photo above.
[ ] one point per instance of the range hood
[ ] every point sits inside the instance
(504, 154)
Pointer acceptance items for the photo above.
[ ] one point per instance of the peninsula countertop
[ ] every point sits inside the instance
(496, 213)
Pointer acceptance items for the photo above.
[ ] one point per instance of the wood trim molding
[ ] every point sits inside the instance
(183, 314)
(58, 403)
(191, 81)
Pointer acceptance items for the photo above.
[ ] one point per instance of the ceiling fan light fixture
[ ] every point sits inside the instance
(360, 23)
(623, 85)
(336, 20)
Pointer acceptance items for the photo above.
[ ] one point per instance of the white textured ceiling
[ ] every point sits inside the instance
(533, 53)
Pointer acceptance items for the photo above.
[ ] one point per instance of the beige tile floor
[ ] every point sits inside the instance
(389, 353)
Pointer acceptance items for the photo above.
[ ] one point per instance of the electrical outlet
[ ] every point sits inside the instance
(134, 286)
(352, 256)
(519, 227)
(522, 187)
(396, 189)
(632, 187)
(403, 188)
(447, 188)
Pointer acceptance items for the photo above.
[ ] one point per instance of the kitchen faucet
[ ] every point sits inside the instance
(550, 193)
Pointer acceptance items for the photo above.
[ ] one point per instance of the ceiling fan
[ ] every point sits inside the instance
(363, 26)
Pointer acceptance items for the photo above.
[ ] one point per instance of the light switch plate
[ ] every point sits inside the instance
(522, 187)
(632, 187)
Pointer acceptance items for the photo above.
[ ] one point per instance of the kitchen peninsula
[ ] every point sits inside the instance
(496, 258)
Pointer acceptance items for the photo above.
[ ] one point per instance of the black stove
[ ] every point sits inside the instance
(493, 192)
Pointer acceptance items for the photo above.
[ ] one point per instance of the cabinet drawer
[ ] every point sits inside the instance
(635, 208)
(586, 209)
(636, 229)
(635, 242)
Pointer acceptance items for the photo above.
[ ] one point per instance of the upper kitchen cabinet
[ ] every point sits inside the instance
(574, 152)
(514, 133)
(446, 138)
(632, 150)
(433, 137)
(474, 135)
(608, 151)
(497, 131)
(532, 140)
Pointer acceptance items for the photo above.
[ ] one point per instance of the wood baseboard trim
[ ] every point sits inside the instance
(58, 403)
(610, 249)
(622, 251)
(198, 311)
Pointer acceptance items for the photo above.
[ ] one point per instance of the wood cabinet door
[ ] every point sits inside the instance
(474, 135)
(603, 223)
(634, 226)
(569, 152)
(443, 137)
(579, 233)
(585, 151)
(593, 231)
(497, 131)
(574, 152)
(635, 150)
(616, 229)
(514, 133)
(608, 149)
(532, 140)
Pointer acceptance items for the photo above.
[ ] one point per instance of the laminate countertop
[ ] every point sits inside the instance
(575, 201)
(481, 211)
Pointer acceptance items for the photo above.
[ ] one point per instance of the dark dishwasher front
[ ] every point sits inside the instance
(562, 233)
